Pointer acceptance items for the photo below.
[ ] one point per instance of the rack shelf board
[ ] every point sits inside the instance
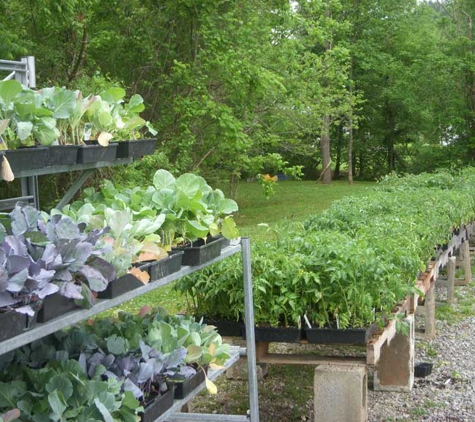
(44, 329)
(74, 167)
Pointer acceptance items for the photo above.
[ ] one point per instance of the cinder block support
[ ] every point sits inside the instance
(395, 369)
(341, 393)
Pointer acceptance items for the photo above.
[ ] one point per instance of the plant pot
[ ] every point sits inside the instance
(32, 320)
(200, 252)
(93, 153)
(119, 286)
(11, 324)
(275, 334)
(226, 328)
(59, 155)
(422, 370)
(166, 266)
(159, 406)
(183, 389)
(26, 158)
(135, 149)
(333, 335)
(55, 306)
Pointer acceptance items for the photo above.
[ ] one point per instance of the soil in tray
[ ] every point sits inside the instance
(199, 252)
(336, 336)
(275, 334)
(158, 406)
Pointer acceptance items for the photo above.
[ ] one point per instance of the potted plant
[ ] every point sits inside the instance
(63, 254)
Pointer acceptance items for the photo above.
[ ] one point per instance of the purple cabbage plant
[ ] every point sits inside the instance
(39, 257)
(144, 374)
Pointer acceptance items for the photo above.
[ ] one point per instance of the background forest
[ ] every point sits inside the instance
(241, 87)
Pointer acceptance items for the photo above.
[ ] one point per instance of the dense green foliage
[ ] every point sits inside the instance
(238, 88)
(353, 262)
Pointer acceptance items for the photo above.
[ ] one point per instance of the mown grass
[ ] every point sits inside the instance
(293, 201)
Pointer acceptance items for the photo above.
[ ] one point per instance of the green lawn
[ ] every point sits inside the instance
(293, 201)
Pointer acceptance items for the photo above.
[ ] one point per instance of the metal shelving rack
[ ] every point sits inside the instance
(44, 329)
(24, 72)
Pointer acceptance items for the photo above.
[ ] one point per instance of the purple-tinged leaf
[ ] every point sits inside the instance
(19, 225)
(95, 279)
(69, 290)
(42, 276)
(17, 282)
(106, 268)
(49, 289)
(63, 275)
(67, 229)
(81, 253)
(83, 362)
(16, 263)
(6, 299)
(50, 255)
(175, 358)
(130, 386)
(146, 372)
(17, 247)
(25, 310)
(3, 279)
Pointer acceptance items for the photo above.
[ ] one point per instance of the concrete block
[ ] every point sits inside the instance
(395, 369)
(341, 393)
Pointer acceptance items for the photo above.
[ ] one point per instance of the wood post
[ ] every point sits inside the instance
(450, 280)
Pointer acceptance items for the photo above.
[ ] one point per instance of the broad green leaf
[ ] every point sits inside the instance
(229, 229)
(104, 411)
(116, 345)
(24, 130)
(64, 103)
(57, 404)
(9, 89)
(10, 393)
(163, 179)
(189, 184)
(135, 104)
(113, 95)
(60, 383)
(196, 229)
(194, 353)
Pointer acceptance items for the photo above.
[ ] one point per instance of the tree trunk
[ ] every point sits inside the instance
(326, 176)
(336, 173)
(350, 128)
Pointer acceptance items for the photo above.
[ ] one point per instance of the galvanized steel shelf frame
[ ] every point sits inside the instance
(73, 317)
(29, 181)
